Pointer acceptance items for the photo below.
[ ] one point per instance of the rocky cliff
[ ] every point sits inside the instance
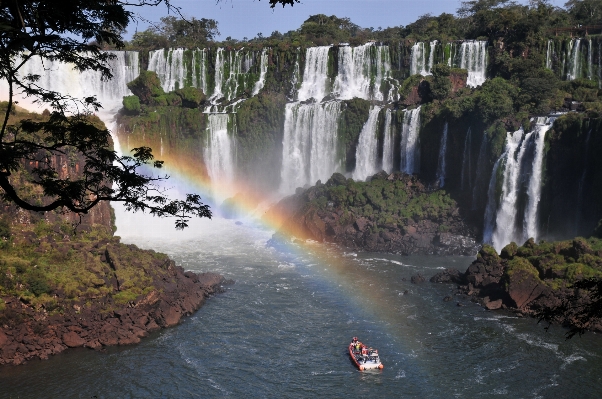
(390, 213)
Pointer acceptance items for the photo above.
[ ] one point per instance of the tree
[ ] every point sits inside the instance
(74, 32)
(177, 32)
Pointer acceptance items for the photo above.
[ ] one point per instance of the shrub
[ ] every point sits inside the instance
(131, 105)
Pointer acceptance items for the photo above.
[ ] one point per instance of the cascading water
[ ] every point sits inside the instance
(419, 63)
(263, 70)
(309, 144)
(489, 219)
(549, 53)
(473, 57)
(530, 224)
(383, 70)
(441, 166)
(366, 156)
(353, 79)
(505, 220)
(218, 153)
(314, 74)
(169, 66)
(409, 142)
(590, 59)
(575, 60)
(388, 147)
(199, 75)
(522, 184)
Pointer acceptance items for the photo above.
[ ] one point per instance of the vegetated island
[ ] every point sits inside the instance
(394, 213)
(63, 289)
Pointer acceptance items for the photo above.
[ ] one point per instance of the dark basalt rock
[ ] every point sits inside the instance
(417, 279)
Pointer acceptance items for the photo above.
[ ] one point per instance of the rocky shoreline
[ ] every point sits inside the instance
(28, 333)
(531, 279)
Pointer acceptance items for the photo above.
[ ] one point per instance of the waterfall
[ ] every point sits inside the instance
(418, 63)
(530, 225)
(473, 57)
(590, 60)
(575, 61)
(295, 77)
(466, 158)
(353, 79)
(410, 142)
(388, 145)
(549, 52)
(169, 66)
(309, 144)
(219, 74)
(505, 220)
(432, 46)
(366, 156)
(64, 78)
(218, 151)
(383, 70)
(263, 70)
(314, 74)
(199, 78)
(441, 166)
(491, 203)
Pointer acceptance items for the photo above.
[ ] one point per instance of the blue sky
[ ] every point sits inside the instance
(246, 18)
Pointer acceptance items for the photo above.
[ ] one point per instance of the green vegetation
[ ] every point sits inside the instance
(386, 202)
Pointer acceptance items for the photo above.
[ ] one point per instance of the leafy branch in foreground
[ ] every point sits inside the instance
(36, 150)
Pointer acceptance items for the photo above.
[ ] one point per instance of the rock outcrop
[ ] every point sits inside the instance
(531, 279)
(393, 213)
(29, 332)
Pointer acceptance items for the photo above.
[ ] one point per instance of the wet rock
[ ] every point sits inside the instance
(447, 299)
(448, 276)
(417, 279)
(72, 340)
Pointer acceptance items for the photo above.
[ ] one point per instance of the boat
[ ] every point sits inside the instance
(365, 358)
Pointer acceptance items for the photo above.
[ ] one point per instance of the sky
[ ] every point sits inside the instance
(246, 18)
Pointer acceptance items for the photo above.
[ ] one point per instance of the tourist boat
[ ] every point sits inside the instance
(364, 358)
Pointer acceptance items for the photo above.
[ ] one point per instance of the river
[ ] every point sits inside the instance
(281, 331)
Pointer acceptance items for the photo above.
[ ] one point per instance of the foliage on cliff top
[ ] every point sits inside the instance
(402, 200)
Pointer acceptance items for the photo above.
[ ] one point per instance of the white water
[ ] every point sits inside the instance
(169, 66)
(383, 71)
(575, 61)
(314, 74)
(530, 225)
(473, 57)
(366, 156)
(418, 63)
(218, 153)
(410, 142)
(549, 52)
(505, 220)
(590, 59)
(489, 222)
(199, 78)
(441, 166)
(309, 144)
(263, 70)
(388, 145)
(353, 79)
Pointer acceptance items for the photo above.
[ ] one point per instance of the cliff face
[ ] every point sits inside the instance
(391, 213)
